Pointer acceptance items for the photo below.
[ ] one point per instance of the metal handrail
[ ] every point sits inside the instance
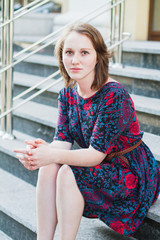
(27, 6)
(36, 85)
(91, 15)
(58, 72)
(60, 30)
(128, 35)
(24, 13)
(54, 33)
(31, 97)
(50, 85)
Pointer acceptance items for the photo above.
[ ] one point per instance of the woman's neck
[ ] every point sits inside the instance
(85, 91)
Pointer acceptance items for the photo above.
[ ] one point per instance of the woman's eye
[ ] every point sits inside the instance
(84, 52)
(68, 52)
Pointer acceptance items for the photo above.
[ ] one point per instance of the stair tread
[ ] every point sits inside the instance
(136, 72)
(7, 146)
(3, 236)
(38, 58)
(29, 80)
(146, 104)
(142, 46)
(21, 206)
(142, 103)
(18, 199)
(41, 113)
(47, 115)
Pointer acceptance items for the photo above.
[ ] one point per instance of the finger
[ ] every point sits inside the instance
(24, 162)
(19, 155)
(20, 150)
(31, 143)
(31, 168)
(39, 141)
(22, 156)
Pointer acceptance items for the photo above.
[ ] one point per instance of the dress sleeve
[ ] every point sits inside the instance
(62, 130)
(114, 115)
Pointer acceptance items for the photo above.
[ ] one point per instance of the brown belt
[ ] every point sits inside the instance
(120, 154)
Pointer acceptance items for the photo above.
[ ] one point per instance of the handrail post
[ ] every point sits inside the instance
(120, 31)
(9, 123)
(3, 64)
(7, 76)
(112, 27)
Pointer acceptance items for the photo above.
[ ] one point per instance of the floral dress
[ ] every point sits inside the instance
(118, 194)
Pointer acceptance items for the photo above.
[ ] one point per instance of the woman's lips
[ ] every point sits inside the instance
(75, 69)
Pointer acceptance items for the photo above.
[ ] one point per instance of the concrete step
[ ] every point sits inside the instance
(17, 207)
(142, 54)
(36, 119)
(40, 120)
(3, 236)
(23, 81)
(18, 210)
(138, 80)
(40, 65)
(148, 113)
(10, 163)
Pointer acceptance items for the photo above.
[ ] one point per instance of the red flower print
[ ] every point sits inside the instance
(109, 96)
(118, 227)
(130, 181)
(134, 128)
(61, 135)
(87, 105)
(98, 167)
(67, 95)
(110, 101)
(71, 100)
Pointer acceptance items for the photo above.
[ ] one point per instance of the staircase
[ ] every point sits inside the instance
(37, 118)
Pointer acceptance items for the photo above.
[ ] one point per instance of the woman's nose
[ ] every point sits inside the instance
(75, 59)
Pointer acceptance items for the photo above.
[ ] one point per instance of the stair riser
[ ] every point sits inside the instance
(13, 166)
(33, 128)
(149, 123)
(149, 230)
(46, 51)
(47, 98)
(143, 87)
(14, 229)
(141, 60)
(36, 69)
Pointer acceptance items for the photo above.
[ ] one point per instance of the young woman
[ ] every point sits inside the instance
(113, 176)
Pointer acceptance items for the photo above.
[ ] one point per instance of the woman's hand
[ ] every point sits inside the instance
(35, 155)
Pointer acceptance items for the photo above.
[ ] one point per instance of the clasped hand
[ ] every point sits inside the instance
(35, 155)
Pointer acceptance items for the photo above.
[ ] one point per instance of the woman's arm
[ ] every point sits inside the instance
(44, 155)
(87, 157)
(24, 154)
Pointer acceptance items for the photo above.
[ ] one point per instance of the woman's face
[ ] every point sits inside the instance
(79, 57)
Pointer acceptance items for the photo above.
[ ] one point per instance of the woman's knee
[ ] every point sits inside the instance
(65, 177)
(48, 172)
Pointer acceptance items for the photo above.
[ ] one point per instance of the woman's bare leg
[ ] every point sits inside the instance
(70, 204)
(46, 202)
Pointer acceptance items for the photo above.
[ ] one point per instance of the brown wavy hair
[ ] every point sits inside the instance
(101, 68)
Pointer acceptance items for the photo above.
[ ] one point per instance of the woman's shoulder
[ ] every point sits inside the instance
(67, 95)
(114, 87)
(66, 91)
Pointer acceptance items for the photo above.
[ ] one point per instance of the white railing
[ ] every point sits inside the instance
(8, 60)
